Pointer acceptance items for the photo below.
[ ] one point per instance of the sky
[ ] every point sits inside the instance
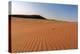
(48, 10)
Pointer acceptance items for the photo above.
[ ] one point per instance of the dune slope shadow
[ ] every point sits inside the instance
(28, 16)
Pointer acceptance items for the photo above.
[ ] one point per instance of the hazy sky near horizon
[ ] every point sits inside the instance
(48, 10)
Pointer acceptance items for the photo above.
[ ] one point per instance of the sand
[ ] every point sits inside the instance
(42, 35)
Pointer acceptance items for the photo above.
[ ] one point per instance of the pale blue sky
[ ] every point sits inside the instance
(50, 11)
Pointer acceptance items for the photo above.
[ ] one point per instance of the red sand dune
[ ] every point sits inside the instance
(42, 35)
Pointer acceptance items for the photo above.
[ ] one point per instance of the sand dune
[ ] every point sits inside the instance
(41, 35)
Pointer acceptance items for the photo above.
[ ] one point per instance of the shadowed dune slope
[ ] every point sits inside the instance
(28, 16)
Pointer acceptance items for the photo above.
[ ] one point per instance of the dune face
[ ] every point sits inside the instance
(42, 35)
(28, 16)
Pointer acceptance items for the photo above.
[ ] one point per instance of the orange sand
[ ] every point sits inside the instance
(42, 35)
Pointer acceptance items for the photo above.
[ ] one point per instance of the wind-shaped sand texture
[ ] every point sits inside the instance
(29, 35)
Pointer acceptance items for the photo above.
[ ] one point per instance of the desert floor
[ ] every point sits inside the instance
(42, 35)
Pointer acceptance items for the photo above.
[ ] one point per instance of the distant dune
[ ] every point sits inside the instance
(42, 35)
(28, 16)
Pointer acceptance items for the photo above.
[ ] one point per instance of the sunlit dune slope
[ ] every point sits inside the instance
(42, 35)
